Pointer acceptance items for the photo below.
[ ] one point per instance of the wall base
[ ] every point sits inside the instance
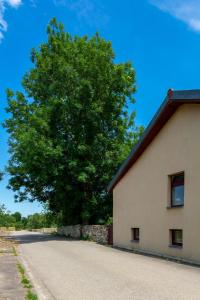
(159, 255)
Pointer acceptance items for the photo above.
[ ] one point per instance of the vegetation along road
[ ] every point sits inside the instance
(64, 269)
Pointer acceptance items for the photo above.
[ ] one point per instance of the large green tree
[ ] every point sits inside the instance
(71, 128)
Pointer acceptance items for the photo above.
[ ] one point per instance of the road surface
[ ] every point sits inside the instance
(79, 270)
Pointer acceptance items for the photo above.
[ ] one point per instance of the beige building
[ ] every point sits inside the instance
(156, 192)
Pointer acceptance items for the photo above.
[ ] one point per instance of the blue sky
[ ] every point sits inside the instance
(160, 37)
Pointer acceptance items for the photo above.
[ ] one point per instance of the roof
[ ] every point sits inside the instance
(172, 101)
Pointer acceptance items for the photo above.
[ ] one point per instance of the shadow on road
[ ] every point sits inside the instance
(32, 237)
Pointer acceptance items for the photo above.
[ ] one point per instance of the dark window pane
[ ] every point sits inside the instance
(177, 180)
(135, 234)
(177, 237)
(177, 190)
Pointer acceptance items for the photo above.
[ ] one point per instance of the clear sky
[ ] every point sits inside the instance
(160, 37)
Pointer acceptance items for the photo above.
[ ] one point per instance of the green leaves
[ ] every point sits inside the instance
(82, 177)
(73, 126)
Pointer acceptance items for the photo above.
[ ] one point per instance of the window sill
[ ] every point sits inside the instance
(176, 246)
(134, 241)
(177, 206)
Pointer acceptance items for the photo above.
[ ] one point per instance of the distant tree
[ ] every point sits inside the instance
(72, 127)
(17, 215)
(2, 209)
(6, 219)
(2, 215)
(24, 222)
(35, 221)
(18, 220)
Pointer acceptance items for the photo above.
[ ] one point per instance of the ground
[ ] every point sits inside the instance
(10, 285)
(64, 269)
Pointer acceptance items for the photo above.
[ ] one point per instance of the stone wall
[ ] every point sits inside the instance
(45, 230)
(70, 231)
(97, 233)
(7, 228)
(49, 230)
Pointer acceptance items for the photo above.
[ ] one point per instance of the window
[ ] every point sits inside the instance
(176, 237)
(177, 190)
(135, 234)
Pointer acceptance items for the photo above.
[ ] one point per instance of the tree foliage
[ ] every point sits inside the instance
(35, 221)
(41, 220)
(9, 220)
(71, 128)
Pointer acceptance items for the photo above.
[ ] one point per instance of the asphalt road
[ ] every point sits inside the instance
(81, 270)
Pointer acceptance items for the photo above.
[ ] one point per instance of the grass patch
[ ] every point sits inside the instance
(24, 280)
(14, 251)
(26, 283)
(86, 238)
(21, 269)
(31, 296)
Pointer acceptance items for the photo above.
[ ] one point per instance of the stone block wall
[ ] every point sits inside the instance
(96, 233)
(70, 231)
(7, 228)
(49, 230)
(45, 230)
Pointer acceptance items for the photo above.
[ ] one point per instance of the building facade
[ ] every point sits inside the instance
(156, 193)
